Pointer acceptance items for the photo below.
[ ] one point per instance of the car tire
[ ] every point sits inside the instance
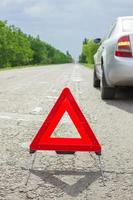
(96, 81)
(106, 91)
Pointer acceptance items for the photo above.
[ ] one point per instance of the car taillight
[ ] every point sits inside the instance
(124, 47)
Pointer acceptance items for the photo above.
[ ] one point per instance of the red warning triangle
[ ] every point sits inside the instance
(43, 139)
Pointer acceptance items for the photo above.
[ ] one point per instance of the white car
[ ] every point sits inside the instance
(113, 61)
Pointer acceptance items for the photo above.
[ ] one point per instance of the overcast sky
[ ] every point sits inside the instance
(64, 23)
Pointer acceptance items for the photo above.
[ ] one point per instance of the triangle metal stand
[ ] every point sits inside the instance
(101, 169)
(33, 157)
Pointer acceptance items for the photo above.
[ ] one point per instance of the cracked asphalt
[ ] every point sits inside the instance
(26, 97)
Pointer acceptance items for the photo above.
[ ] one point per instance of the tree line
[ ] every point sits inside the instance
(18, 48)
(89, 48)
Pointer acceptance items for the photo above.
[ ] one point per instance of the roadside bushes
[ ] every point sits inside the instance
(89, 48)
(17, 48)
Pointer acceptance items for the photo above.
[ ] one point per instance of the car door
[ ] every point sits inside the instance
(100, 51)
(98, 60)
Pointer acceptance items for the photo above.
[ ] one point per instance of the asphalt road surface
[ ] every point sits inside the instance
(26, 97)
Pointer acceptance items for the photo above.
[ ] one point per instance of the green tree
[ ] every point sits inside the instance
(40, 54)
(89, 48)
(17, 48)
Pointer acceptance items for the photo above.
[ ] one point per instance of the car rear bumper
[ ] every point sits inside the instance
(120, 72)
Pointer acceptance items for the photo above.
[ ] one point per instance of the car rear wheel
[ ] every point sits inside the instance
(106, 91)
(96, 81)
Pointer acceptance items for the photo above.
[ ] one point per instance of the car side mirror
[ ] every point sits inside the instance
(97, 40)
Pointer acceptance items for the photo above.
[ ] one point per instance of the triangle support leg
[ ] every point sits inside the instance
(101, 169)
(33, 157)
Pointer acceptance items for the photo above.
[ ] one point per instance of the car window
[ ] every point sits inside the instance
(112, 30)
(127, 25)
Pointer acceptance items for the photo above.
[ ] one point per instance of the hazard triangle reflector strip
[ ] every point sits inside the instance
(44, 141)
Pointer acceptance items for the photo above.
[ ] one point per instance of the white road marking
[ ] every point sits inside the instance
(51, 97)
(4, 117)
(44, 82)
(21, 117)
(37, 110)
(76, 77)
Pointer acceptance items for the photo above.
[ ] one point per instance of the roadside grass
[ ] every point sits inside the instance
(91, 66)
(17, 67)
(21, 67)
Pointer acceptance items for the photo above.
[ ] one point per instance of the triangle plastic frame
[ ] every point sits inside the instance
(44, 141)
